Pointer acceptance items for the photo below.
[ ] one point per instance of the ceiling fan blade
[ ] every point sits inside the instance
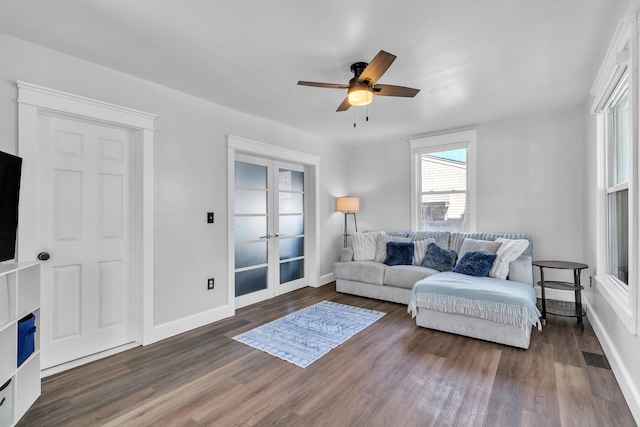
(344, 106)
(392, 90)
(377, 67)
(327, 85)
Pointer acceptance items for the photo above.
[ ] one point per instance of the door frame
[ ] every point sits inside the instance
(34, 100)
(236, 144)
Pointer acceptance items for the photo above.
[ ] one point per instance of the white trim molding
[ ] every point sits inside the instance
(620, 61)
(615, 63)
(449, 141)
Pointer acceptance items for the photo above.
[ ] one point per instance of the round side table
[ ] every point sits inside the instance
(562, 308)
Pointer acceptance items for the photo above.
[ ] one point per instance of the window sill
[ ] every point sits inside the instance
(618, 299)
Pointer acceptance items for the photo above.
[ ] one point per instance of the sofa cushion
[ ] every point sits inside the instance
(473, 245)
(440, 237)
(476, 263)
(439, 259)
(420, 250)
(509, 251)
(382, 240)
(457, 237)
(365, 245)
(399, 253)
(360, 271)
(405, 276)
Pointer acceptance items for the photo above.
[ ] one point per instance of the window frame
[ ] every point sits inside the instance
(612, 186)
(618, 69)
(446, 142)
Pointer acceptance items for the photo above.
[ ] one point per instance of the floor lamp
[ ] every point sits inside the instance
(349, 206)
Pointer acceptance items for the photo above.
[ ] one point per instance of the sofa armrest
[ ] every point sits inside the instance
(521, 269)
(346, 254)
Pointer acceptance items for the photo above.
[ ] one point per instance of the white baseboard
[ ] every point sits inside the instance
(325, 280)
(84, 360)
(628, 387)
(170, 329)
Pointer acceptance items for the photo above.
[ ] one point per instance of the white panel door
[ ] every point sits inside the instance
(83, 223)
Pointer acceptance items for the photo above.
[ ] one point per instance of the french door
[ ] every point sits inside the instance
(269, 229)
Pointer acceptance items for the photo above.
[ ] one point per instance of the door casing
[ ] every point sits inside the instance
(274, 287)
(34, 100)
(311, 163)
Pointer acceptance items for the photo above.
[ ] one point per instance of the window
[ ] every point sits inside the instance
(617, 187)
(616, 200)
(442, 188)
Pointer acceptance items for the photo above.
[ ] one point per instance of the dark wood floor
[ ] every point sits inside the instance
(390, 374)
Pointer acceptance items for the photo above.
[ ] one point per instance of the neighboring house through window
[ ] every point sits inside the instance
(443, 188)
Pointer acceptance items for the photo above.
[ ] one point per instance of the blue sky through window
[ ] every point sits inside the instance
(458, 155)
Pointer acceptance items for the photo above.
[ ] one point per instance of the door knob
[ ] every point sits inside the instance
(43, 256)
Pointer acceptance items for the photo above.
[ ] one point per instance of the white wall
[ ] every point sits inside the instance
(529, 180)
(190, 166)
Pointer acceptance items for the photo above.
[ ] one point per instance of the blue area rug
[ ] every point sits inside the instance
(306, 335)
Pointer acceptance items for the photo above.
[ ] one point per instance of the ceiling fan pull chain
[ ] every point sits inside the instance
(367, 114)
(354, 118)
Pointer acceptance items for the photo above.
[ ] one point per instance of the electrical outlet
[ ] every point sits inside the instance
(590, 281)
(210, 283)
(209, 217)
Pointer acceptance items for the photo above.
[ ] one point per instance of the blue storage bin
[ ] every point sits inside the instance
(26, 334)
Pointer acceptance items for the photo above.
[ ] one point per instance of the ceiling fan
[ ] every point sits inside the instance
(362, 86)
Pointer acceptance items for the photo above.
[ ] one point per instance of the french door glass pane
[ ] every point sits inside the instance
(251, 281)
(291, 270)
(250, 227)
(291, 225)
(251, 202)
(291, 203)
(248, 175)
(291, 180)
(291, 248)
(618, 239)
(248, 254)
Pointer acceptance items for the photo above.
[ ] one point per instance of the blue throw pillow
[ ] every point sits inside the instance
(439, 259)
(399, 253)
(475, 264)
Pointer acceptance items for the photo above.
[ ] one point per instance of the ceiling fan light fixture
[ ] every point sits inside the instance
(360, 94)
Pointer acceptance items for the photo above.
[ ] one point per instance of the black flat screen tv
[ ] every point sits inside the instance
(10, 172)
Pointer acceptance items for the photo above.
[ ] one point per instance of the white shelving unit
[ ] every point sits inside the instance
(19, 297)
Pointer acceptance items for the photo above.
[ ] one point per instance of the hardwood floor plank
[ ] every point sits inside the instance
(392, 373)
(577, 405)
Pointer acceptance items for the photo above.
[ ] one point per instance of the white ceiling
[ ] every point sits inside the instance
(474, 60)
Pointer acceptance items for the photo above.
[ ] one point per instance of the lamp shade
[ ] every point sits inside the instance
(360, 96)
(347, 204)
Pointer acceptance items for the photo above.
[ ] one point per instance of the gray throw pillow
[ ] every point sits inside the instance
(439, 259)
(473, 245)
(382, 240)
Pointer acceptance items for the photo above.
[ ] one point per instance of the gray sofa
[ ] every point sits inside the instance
(377, 280)
(394, 283)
